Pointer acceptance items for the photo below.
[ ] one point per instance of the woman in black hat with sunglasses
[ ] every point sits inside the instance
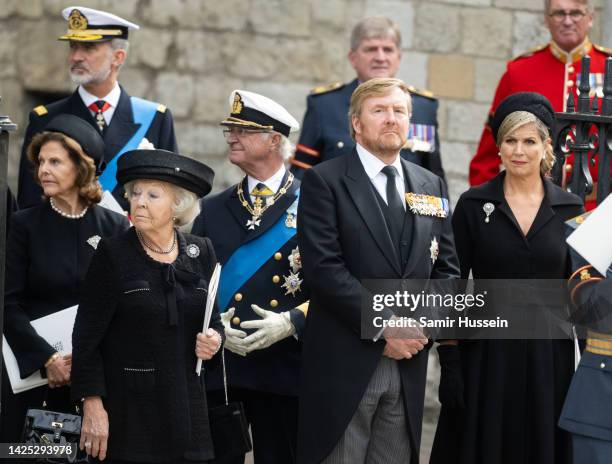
(501, 399)
(49, 248)
(137, 334)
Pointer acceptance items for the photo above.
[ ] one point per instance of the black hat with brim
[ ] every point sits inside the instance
(532, 102)
(82, 132)
(166, 166)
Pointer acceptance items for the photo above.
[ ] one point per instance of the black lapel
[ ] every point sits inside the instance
(421, 230)
(77, 107)
(121, 128)
(234, 205)
(553, 196)
(361, 191)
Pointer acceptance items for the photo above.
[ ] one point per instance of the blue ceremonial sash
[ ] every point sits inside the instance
(247, 259)
(144, 112)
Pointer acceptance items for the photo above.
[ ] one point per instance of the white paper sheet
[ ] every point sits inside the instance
(109, 202)
(210, 303)
(56, 329)
(593, 238)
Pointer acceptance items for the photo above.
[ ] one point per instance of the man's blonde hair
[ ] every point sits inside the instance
(376, 87)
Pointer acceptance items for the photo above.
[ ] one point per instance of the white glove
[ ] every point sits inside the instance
(234, 339)
(272, 327)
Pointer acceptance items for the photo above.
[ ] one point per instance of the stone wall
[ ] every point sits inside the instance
(191, 53)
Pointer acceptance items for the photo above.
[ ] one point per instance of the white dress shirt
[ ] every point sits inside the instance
(373, 167)
(112, 98)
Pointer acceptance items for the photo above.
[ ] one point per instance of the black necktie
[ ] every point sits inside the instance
(394, 202)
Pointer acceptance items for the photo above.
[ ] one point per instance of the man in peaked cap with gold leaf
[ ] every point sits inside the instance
(262, 295)
(375, 52)
(98, 48)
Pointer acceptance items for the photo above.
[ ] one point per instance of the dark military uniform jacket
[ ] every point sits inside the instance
(223, 219)
(588, 410)
(325, 131)
(121, 129)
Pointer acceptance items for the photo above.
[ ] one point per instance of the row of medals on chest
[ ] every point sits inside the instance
(293, 281)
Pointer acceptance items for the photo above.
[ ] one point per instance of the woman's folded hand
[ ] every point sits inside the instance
(207, 344)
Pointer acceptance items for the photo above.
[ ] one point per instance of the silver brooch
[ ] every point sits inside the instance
(295, 260)
(488, 208)
(93, 241)
(434, 250)
(292, 283)
(290, 221)
(192, 250)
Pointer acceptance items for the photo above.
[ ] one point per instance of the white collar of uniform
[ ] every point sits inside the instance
(273, 183)
(374, 165)
(112, 98)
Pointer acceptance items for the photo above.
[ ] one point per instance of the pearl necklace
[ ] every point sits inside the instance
(152, 248)
(55, 208)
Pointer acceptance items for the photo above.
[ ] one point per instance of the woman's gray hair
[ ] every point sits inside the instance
(518, 119)
(185, 207)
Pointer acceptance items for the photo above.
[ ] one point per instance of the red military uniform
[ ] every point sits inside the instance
(550, 71)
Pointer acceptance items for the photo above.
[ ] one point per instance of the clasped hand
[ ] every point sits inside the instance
(403, 343)
(58, 372)
(271, 328)
(207, 344)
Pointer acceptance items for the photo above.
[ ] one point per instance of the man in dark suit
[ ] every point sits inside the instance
(98, 49)
(361, 216)
(252, 226)
(375, 52)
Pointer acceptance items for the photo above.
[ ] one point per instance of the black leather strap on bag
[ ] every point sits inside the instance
(228, 426)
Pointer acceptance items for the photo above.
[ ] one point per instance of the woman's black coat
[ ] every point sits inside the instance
(514, 389)
(47, 257)
(134, 345)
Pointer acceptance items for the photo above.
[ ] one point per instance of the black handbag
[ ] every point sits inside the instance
(229, 427)
(50, 428)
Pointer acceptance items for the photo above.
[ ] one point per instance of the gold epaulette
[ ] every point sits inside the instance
(304, 307)
(161, 108)
(40, 110)
(607, 51)
(422, 92)
(530, 52)
(576, 221)
(326, 88)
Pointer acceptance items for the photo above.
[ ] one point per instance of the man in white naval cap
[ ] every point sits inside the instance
(98, 48)
(261, 293)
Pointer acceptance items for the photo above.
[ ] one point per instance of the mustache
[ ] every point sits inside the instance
(79, 66)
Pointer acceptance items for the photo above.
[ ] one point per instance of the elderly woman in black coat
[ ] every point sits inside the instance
(501, 399)
(48, 251)
(137, 333)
